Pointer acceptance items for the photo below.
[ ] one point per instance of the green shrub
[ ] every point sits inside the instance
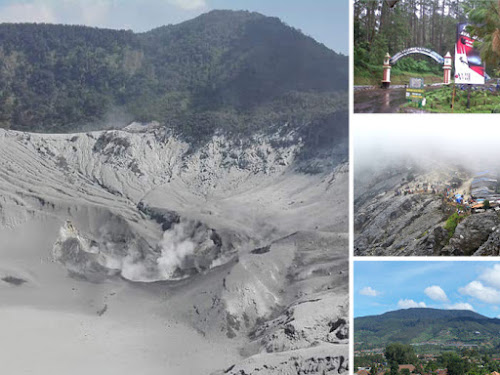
(451, 224)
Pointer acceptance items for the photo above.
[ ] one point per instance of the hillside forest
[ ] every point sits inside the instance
(232, 71)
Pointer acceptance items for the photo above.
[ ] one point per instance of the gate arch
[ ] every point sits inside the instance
(389, 61)
(417, 50)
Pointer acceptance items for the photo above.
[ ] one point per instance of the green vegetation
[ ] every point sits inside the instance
(380, 29)
(439, 100)
(400, 354)
(426, 326)
(368, 360)
(394, 369)
(401, 73)
(454, 363)
(237, 72)
(458, 362)
(451, 224)
(423, 234)
(485, 20)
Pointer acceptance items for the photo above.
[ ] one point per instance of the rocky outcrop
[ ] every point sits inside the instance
(491, 246)
(321, 360)
(399, 225)
(414, 225)
(399, 215)
(471, 234)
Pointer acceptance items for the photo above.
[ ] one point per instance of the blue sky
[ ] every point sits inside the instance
(385, 286)
(324, 20)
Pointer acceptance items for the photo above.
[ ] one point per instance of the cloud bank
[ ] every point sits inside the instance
(188, 4)
(27, 12)
(481, 292)
(369, 291)
(136, 15)
(460, 306)
(409, 303)
(491, 276)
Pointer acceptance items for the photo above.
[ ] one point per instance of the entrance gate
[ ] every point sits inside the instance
(389, 61)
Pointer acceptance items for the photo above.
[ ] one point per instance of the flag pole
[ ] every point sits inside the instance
(453, 98)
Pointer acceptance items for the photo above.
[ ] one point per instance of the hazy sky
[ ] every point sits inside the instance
(324, 20)
(386, 286)
(468, 140)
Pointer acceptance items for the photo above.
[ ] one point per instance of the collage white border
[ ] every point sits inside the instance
(467, 122)
(351, 187)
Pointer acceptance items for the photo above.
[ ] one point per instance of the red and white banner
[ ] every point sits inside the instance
(469, 68)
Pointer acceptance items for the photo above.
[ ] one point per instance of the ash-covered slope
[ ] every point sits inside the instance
(229, 244)
(401, 209)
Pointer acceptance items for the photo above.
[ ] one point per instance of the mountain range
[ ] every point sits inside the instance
(233, 71)
(426, 326)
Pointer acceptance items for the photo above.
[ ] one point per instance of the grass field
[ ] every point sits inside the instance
(482, 100)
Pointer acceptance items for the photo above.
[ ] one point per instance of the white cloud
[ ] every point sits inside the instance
(460, 306)
(409, 303)
(27, 12)
(188, 4)
(369, 291)
(114, 14)
(95, 12)
(492, 276)
(483, 293)
(436, 293)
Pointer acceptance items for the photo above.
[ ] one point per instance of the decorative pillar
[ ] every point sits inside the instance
(447, 68)
(386, 81)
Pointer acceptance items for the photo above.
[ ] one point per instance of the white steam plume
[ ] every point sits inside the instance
(176, 246)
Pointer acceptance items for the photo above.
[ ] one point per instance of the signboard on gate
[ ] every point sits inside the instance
(469, 69)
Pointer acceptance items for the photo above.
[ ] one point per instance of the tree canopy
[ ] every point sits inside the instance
(400, 354)
(485, 25)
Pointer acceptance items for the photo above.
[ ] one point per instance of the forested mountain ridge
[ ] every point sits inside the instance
(423, 325)
(239, 71)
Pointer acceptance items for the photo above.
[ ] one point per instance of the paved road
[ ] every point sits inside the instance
(376, 100)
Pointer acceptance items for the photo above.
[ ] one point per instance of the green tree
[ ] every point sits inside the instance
(454, 363)
(419, 369)
(485, 25)
(457, 366)
(394, 368)
(400, 354)
(431, 366)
